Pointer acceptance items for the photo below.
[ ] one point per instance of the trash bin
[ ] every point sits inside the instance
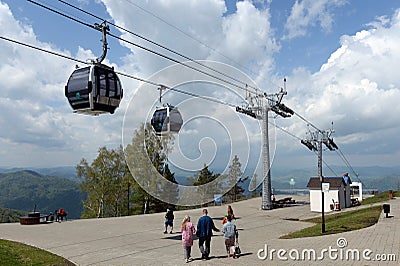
(386, 209)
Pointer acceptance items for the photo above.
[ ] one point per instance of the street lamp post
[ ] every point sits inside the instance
(321, 179)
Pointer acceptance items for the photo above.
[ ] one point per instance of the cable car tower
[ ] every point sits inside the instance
(314, 143)
(95, 89)
(258, 107)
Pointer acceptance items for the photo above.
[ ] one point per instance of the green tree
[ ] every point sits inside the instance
(203, 177)
(146, 157)
(120, 181)
(110, 187)
(172, 191)
(234, 177)
(253, 186)
(105, 182)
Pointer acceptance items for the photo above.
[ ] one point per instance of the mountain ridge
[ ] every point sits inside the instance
(27, 190)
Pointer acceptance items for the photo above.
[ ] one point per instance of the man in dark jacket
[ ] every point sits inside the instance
(205, 226)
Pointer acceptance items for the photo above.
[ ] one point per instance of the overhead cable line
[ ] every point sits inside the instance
(308, 122)
(137, 78)
(287, 132)
(62, 14)
(71, 58)
(202, 97)
(127, 75)
(158, 45)
(158, 54)
(190, 36)
(120, 73)
(298, 138)
(155, 52)
(329, 167)
(326, 164)
(145, 81)
(344, 159)
(43, 50)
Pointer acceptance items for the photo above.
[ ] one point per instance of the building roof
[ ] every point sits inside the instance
(334, 182)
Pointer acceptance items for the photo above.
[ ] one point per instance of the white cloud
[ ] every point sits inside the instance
(248, 38)
(37, 125)
(306, 13)
(358, 89)
(199, 19)
(243, 39)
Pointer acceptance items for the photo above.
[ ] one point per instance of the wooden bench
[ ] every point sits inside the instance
(34, 219)
(29, 220)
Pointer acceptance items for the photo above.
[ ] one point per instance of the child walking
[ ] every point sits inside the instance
(187, 230)
(230, 234)
(169, 220)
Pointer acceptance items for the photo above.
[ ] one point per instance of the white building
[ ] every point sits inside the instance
(338, 196)
(356, 191)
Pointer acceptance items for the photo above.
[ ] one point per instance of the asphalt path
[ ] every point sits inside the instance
(139, 240)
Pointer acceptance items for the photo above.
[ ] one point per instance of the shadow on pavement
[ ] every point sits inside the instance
(224, 257)
(174, 236)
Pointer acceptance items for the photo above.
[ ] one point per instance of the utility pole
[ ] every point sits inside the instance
(258, 107)
(314, 143)
(321, 180)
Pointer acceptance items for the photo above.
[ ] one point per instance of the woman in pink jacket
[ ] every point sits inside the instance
(187, 230)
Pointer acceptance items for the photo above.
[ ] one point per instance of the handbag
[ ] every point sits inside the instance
(237, 248)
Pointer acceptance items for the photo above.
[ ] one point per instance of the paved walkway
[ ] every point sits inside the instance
(139, 240)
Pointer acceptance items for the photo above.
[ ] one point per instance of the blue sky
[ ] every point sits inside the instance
(315, 45)
(339, 58)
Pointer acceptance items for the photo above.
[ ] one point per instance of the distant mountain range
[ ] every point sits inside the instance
(68, 172)
(373, 177)
(50, 188)
(27, 190)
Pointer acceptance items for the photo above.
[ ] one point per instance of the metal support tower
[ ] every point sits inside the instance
(314, 143)
(266, 184)
(258, 107)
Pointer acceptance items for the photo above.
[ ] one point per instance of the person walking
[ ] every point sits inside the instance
(169, 220)
(205, 226)
(187, 230)
(230, 234)
(229, 212)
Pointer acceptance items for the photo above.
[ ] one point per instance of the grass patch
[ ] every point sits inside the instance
(340, 222)
(384, 196)
(15, 254)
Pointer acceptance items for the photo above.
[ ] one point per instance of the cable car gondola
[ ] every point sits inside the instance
(166, 119)
(94, 90)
